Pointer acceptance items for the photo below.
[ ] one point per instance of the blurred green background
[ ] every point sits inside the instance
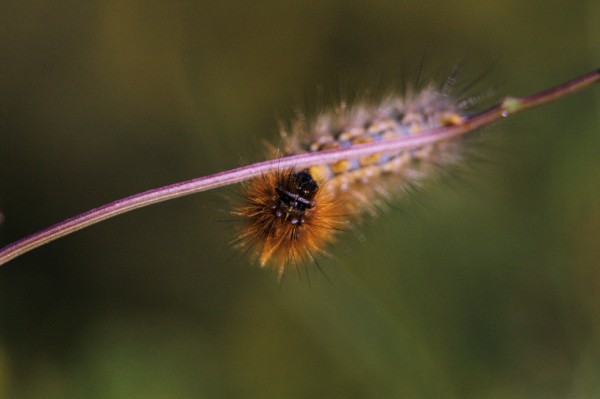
(486, 286)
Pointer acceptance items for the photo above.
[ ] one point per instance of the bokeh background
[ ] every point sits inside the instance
(486, 285)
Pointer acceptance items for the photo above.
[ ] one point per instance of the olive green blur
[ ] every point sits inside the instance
(484, 285)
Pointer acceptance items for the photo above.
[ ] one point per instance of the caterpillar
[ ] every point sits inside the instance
(291, 215)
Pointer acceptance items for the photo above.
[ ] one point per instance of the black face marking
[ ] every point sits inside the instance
(295, 196)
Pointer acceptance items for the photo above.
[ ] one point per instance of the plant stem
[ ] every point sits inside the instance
(507, 106)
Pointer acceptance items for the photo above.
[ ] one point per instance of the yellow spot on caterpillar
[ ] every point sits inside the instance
(451, 119)
(351, 133)
(340, 167)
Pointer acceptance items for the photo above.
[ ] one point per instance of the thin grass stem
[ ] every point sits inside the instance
(506, 107)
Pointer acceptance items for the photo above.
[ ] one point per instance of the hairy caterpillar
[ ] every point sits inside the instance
(292, 215)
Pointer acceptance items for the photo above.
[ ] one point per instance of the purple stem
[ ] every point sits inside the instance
(507, 106)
